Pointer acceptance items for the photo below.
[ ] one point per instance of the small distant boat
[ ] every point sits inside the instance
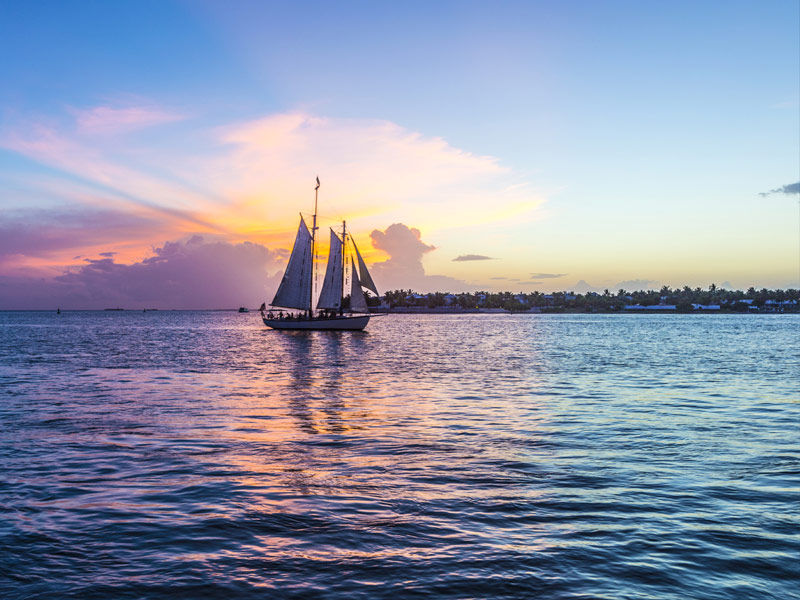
(296, 290)
(244, 309)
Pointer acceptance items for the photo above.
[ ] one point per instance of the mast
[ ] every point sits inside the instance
(344, 260)
(313, 253)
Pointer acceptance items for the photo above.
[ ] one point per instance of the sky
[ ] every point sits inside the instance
(158, 153)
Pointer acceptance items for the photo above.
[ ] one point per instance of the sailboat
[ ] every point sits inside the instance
(296, 290)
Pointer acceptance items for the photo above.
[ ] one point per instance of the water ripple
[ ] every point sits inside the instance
(195, 454)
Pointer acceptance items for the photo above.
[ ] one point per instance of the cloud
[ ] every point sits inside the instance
(405, 248)
(547, 275)
(581, 287)
(404, 268)
(468, 257)
(635, 284)
(109, 120)
(498, 277)
(108, 254)
(103, 172)
(379, 170)
(791, 188)
(193, 274)
(45, 233)
(401, 162)
(248, 179)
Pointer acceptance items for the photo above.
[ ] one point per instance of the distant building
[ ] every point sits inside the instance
(705, 306)
(780, 304)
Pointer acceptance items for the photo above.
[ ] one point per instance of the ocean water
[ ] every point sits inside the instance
(199, 455)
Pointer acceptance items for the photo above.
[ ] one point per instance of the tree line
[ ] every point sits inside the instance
(683, 299)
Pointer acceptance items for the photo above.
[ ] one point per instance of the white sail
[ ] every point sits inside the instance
(295, 288)
(358, 303)
(364, 276)
(331, 294)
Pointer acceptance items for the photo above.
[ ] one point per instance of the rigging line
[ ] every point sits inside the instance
(323, 223)
(327, 219)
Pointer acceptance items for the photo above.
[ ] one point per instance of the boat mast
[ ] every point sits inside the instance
(313, 252)
(344, 261)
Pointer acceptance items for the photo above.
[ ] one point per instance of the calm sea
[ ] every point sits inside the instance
(199, 455)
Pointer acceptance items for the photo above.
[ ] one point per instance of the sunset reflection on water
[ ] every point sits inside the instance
(449, 455)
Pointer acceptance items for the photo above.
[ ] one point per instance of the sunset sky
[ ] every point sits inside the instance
(158, 153)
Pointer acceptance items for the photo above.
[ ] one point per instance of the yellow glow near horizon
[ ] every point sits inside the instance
(255, 177)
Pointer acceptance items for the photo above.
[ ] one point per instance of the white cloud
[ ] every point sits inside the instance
(110, 120)
(634, 285)
(404, 268)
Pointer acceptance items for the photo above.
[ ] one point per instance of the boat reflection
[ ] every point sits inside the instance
(318, 382)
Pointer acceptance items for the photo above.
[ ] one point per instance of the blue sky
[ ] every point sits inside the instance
(613, 141)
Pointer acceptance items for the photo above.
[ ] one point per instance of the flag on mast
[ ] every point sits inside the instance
(316, 188)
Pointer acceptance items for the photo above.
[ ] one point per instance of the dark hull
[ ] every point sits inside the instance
(355, 323)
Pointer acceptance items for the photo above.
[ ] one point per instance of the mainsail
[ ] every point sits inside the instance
(295, 288)
(331, 294)
(366, 279)
(358, 303)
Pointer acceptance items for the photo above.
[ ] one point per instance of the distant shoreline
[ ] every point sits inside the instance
(569, 311)
(412, 310)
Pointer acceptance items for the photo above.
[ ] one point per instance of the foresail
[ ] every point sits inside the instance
(358, 303)
(364, 276)
(331, 294)
(295, 288)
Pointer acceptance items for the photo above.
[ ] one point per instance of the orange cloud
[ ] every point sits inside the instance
(248, 180)
(372, 172)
